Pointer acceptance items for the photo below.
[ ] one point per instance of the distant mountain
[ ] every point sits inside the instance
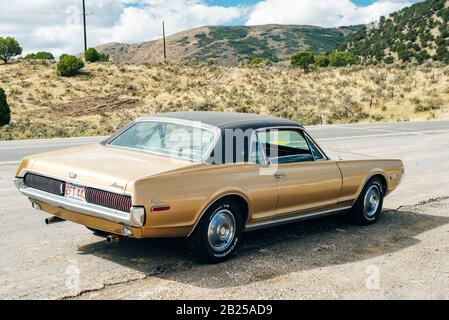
(232, 45)
(418, 33)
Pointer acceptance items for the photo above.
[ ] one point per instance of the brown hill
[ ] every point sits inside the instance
(232, 45)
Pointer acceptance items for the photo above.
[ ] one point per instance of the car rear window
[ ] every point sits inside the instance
(168, 139)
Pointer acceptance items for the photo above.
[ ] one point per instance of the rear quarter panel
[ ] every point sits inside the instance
(356, 173)
(189, 192)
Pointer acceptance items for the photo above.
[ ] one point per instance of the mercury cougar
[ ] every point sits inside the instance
(204, 176)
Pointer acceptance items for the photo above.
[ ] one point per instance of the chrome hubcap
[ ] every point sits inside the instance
(372, 201)
(221, 230)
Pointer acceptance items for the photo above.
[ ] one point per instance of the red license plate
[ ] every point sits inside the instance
(75, 192)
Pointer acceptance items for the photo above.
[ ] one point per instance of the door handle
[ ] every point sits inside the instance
(280, 174)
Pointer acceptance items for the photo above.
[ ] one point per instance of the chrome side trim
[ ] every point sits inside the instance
(85, 208)
(282, 221)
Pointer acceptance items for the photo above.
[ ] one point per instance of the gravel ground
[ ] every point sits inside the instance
(405, 255)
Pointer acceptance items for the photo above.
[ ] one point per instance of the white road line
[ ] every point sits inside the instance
(385, 135)
(9, 162)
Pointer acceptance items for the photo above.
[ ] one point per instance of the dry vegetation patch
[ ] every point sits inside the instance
(108, 95)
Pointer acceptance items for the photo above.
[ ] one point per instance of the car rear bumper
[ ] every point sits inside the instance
(132, 219)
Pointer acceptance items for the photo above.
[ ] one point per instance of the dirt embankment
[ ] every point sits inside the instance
(106, 96)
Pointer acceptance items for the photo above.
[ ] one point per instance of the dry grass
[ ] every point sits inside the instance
(107, 96)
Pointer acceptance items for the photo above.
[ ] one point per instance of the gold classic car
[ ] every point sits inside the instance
(204, 176)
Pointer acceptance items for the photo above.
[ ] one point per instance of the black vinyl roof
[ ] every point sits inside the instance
(230, 120)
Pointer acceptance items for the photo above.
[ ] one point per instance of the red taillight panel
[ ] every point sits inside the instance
(108, 199)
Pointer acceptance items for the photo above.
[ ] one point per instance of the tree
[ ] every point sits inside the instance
(69, 65)
(40, 56)
(422, 56)
(303, 60)
(9, 47)
(5, 112)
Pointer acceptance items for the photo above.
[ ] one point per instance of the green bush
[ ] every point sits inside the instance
(429, 105)
(40, 56)
(258, 60)
(389, 60)
(303, 59)
(322, 61)
(103, 57)
(9, 48)
(69, 65)
(5, 112)
(92, 55)
(341, 59)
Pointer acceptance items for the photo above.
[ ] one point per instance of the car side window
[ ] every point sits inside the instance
(285, 146)
(256, 155)
(317, 154)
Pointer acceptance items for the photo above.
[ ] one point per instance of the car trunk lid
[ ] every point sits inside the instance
(103, 167)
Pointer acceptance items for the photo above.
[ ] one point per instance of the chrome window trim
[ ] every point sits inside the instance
(195, 124)
(300, 129)
(310, 140)
(265, 159)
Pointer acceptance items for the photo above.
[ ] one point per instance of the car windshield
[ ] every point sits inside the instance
(165, 138)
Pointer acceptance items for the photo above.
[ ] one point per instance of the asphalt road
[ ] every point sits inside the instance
(13, 151)
(327, 258)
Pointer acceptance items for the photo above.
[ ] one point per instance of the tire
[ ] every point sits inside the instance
(225, 217)
(368, 207)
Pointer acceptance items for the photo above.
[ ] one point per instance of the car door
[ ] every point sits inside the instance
(307, 180)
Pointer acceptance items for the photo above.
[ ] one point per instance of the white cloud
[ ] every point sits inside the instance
(326, 13)
(56, 25)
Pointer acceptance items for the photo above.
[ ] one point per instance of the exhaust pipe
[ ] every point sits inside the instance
(53, 220)
(113, 238)
(35, 205)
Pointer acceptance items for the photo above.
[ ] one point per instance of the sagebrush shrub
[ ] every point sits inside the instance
(91, 55)
(40, 56)
(69, 65)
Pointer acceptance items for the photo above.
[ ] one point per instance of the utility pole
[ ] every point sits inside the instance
(163, 35)
(84, 23)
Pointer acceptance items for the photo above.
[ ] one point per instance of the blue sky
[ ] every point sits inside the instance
(56, 25)
(228, 3)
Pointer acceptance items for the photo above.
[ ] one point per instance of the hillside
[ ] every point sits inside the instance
(232, 45)
(418, 34)
(109, 95)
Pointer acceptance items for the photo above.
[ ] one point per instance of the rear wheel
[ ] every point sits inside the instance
(368, 206)
(218, 233)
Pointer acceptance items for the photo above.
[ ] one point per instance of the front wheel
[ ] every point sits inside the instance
(368, 206)
(218, 233)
